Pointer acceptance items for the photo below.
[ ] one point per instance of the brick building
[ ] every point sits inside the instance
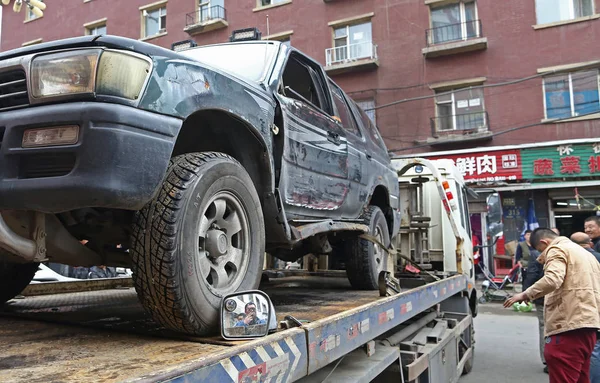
(508, 89)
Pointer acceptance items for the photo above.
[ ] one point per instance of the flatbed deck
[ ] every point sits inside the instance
(106, 335)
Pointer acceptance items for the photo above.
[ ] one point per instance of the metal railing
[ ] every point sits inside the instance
(205, 14)
(468, 122)
(347, 53)
(454, 32)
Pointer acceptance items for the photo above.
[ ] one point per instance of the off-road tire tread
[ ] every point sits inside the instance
(155, 269)
(357, 264)
(14, 278)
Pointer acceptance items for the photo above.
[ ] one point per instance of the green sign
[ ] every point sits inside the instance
(578, 160)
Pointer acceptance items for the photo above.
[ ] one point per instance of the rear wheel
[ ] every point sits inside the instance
(366, 259)
(201, 238)
(14, 277)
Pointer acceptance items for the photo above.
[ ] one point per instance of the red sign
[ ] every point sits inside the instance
(494, 166)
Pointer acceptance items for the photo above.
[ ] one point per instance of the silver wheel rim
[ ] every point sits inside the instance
(378, 252)
(223, 243)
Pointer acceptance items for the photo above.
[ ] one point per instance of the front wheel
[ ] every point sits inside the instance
(201, 238)
(367, 259)
(14, 277)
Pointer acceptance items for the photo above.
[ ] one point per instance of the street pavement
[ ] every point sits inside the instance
(506, 347)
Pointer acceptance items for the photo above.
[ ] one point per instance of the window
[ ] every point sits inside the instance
(211, 9)
(368, 106)
(460, 110)
(571, 94)
(302, 82)
(264, 3)
(343, 110)
(550, 11)
(352, 42)
(29, 15)
(96, 30)
(154, 21)
(370, 127)
(454, 22)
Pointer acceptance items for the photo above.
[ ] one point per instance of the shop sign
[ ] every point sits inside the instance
(581, 160)
(495, 166)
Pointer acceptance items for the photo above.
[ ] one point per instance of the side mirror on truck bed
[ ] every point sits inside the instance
(247, 315)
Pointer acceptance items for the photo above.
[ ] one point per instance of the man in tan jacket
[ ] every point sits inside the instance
(571, 290)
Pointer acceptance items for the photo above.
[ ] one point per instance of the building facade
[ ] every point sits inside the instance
(509, 89)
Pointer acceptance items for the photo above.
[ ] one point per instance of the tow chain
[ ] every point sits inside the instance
(392, 251)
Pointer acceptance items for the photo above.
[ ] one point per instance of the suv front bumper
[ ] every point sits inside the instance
(119, 161)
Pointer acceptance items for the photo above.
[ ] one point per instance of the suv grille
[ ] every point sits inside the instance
(13, 90)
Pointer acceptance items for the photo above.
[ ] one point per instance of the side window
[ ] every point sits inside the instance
(343, 109)
(303, 83)
(371, 129)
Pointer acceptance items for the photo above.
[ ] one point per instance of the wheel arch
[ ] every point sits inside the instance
(221, 131)
(381, 198)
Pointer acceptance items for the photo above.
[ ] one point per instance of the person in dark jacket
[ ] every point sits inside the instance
(523, 254)
(592, 228)
(535, 272)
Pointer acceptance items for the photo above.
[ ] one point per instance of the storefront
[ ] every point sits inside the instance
(551, 184)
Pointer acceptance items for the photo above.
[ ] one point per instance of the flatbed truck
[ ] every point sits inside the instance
(417, 328)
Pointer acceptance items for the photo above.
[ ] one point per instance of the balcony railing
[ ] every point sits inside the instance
(352, 52)
(454, 32)
(205, 14)
(470, 122)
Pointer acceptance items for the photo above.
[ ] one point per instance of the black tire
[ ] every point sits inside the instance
(178, 280)
(471, 361)
(366, 260)
(14, 277)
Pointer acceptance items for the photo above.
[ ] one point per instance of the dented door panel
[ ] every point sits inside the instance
(315, 162)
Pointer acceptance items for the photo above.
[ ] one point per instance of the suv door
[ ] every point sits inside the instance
(314, 171)
(358, 154)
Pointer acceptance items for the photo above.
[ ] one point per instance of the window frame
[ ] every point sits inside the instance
(347, 27)
(572, 15)
(317, 75)
(151, 8)
(571, 93)
(356, 131)
(462, 17)
(453, 101)
(30, 16)
(369, 100)
(89, 27)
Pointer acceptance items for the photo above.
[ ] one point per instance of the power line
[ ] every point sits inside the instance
(506, 83)
(500, 132)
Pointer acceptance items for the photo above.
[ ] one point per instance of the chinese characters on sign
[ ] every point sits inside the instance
(558, 161)
(563, 161)
(543, 167)
(488, 167)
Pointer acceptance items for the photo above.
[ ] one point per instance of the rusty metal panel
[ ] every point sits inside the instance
(337, 335)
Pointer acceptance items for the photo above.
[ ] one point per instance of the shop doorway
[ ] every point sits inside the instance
(569, 223)
(570, 214)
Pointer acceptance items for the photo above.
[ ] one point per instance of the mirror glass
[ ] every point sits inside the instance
(495, 226)
(245, 315)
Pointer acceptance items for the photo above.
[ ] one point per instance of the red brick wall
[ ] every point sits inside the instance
(515, 50)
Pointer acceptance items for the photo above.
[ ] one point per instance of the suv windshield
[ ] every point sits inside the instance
(249, 61)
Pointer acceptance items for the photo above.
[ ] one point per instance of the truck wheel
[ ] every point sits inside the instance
(14, 277)
(366, 259)
(469, 363)
(202, 237)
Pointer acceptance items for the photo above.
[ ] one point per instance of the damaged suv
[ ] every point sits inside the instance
(187, 167)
